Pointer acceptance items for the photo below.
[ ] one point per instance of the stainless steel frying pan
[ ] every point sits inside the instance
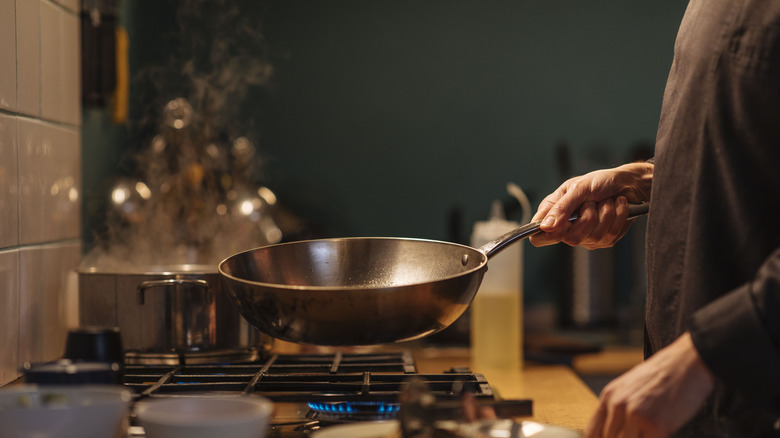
(361, 291)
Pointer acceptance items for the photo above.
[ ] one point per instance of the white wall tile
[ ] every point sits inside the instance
(62, 296)
(70, 43)
(9, 182)
(50, 176)
(7, 54)
(32, 187)
(9, 315)
(60, 77)
(64, 186)
(46, 304)
(51, 82)
(40, 179)
(28, 54)
(32, 305)
(70, 259)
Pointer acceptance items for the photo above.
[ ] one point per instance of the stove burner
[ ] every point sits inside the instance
(354, 411)
(308, 390)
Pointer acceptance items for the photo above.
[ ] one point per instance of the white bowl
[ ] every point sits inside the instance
(205, 417)
(73, 411)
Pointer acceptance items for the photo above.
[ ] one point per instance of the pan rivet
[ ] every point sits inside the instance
(464, 260)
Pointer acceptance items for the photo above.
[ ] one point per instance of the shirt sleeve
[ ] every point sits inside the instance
(737, 335)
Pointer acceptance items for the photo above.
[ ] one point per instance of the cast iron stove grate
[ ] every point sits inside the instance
(311, 391)
(308, 378)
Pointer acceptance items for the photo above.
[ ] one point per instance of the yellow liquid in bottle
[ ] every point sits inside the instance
(496, 330)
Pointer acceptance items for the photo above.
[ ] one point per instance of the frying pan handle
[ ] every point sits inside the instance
(496, 246)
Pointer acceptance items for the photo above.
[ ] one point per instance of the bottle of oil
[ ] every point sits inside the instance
(496, 312)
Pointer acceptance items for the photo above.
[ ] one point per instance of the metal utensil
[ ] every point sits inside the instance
(361, 291)
(166, 311)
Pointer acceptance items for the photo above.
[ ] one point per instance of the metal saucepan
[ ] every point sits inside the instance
(165, 309)
(361, 291)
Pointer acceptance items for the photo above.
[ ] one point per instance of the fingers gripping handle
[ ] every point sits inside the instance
(496, 246)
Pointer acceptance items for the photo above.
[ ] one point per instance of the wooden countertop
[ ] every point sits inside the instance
(613, 360)
(559, 395)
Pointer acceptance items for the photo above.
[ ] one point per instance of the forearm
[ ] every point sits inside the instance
(737, 335)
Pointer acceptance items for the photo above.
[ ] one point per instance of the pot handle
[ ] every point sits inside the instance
(496, 246)
(157, 283)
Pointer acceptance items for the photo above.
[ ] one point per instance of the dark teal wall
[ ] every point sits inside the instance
(390, 114)
(387, 115)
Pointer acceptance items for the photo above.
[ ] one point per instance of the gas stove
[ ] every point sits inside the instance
(310, 391)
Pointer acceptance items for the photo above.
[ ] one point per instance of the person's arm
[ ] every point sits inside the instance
(601, 198)
(734, 339)
(738, 335)
(656, 397)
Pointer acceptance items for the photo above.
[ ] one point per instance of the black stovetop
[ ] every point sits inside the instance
(303, 378)
(300, 384)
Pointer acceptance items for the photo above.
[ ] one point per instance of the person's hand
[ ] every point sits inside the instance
(602, 198)
(655, 398)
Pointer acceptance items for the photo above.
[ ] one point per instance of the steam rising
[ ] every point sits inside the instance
(192, 198)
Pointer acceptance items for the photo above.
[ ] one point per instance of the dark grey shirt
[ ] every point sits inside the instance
(714, 228)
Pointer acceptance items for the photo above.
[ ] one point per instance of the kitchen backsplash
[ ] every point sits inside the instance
(40, 179)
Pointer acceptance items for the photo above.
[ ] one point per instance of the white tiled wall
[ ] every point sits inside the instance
(48, 155)
(40, 179)
(9, 182)
(9, 314)
(7, 52)
(28, 68)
